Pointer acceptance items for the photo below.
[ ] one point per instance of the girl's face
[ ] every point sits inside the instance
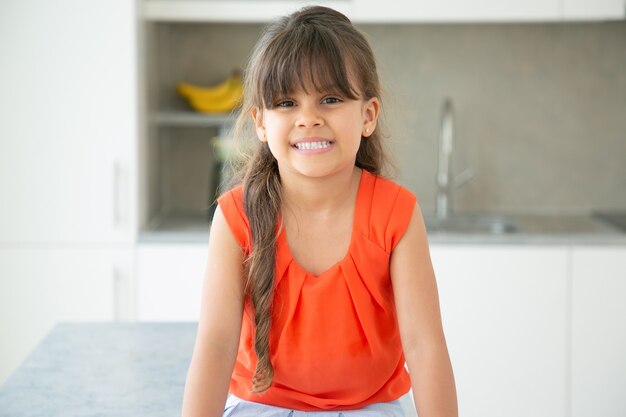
(315, 134)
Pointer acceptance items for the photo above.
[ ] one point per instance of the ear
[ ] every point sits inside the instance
(257, 117)
(371, 109)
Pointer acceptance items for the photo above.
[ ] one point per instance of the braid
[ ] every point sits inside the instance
(262, 204)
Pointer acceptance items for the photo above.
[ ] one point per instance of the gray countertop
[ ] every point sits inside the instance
(107, 369)
(103, 369)
(530, 229)
(537, 229)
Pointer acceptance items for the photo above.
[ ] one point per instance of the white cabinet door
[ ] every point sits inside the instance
(599, 331)
(170, 278)
(68, 120)
(40, 287)
(456, 10)
(594, 10)
(504, 315)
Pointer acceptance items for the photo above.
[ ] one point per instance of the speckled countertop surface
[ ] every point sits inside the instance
(103, 369)
(107, 370)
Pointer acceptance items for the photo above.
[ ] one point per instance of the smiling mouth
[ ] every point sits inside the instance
(312, 145)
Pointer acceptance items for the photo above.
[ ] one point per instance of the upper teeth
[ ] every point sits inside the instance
(313, 145)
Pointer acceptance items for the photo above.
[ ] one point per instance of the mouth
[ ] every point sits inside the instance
(312, 145)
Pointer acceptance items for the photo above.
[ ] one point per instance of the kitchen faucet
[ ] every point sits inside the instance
(445, 183)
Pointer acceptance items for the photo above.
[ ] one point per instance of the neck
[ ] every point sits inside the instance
(320, 194)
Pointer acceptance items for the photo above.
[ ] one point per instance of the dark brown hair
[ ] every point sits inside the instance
(315, 46)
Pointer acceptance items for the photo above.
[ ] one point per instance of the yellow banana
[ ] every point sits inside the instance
(209, 93)
(225, 104)
(220, 98)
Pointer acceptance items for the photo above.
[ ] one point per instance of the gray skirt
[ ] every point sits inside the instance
(236, 407)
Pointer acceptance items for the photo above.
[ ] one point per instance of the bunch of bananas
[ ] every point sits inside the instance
(219, 98)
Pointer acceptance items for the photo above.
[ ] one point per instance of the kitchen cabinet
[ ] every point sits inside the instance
(504, 311)
(41, 286)
(396, 11)
(598, 352)
(594, 10)
(68, 135)
(170, 278)
(69, 121)
(406, 11)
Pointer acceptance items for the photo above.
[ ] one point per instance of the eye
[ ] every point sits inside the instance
(285, 103)
(331, 100)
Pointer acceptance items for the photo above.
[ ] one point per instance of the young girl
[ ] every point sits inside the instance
(319, 286)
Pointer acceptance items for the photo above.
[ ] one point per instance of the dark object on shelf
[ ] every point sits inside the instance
(614, 218)
(215, 188)
(222, 150)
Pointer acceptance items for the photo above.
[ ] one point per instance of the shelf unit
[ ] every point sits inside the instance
(177, 226)
(178, 168)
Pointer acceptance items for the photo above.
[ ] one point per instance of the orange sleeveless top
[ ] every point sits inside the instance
(334, 340)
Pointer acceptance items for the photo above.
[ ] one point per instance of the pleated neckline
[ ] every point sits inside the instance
(359, 211)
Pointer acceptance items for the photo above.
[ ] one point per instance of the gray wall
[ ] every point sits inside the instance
(540, 109)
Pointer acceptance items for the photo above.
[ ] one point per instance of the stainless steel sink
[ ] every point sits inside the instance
(471, 223)
(563, 225)
(533, 224)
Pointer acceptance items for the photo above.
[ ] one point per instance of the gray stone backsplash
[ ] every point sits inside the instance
(540, 109)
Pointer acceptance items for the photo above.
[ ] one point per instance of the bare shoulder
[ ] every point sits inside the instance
(415, 240)
(414, 285)
(221, 238)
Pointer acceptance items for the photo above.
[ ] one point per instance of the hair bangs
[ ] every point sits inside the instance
(304, 58)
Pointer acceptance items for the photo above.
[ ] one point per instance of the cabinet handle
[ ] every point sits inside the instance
(117, 294)
(117, 195)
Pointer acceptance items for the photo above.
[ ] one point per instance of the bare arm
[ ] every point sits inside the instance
(219, 326)
(419, 319)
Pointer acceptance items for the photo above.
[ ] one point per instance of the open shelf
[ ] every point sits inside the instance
(182, 118)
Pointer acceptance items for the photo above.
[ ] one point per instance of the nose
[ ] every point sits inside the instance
(309, 117)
